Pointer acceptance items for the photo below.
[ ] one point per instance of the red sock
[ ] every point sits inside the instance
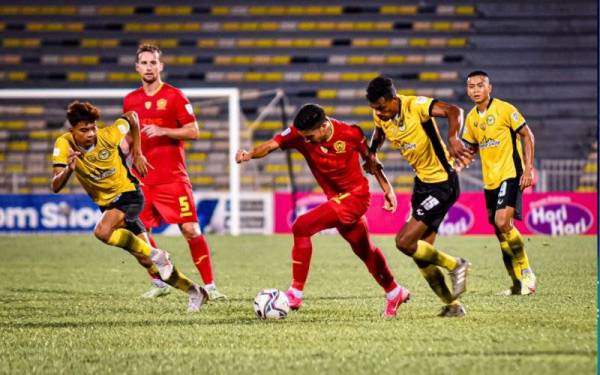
(153, 243)
(301, 254)
(312, 222)
(201, 257)
(358, 237)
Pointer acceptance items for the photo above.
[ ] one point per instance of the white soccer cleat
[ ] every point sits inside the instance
(156, 291)
(529, 281)
(214, 294)
(162, 261)
(197, 298)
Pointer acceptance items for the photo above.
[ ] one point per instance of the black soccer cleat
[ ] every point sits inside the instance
(453, 311)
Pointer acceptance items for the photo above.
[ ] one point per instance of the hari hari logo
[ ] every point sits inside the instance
(558, 216)
(458, 220)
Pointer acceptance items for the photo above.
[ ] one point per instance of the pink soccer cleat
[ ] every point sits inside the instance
(392, 305)
(294, 302)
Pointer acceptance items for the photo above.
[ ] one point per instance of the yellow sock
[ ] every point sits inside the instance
(512, 267)
(179, 280)
(427, 253)
(127, 240)
(436, 281)
(517, 247)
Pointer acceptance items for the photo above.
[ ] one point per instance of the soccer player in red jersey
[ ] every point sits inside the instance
(331, 149)
(167, 119)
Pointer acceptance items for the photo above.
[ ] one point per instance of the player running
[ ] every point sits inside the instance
(167, 119)
(331, 149)
(94, 155)
(407, 122)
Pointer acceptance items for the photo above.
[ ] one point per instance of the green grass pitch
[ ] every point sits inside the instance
(69, 304)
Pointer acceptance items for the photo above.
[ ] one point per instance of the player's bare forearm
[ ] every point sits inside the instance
(391, 202)
(383, 181)
(377, 139)
(257, 152)
(60, 178)
(187, 132)
(456, 148)
(528, 146)
(134, 132)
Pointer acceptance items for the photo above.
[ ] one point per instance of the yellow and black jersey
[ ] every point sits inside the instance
(415, 133)
(101, 170)
(495, 131)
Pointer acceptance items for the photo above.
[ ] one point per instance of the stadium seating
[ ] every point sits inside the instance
(323, 52)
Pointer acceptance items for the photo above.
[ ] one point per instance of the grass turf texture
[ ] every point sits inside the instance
(71, 304)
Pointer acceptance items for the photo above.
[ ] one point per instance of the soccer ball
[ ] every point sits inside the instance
(271, 304)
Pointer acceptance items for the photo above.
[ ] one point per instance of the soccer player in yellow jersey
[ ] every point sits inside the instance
(407, 122)
(496, 128)
(94, 155)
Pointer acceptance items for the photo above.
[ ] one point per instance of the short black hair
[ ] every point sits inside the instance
(78, 112)
(310, 116)
(477, 73)
(379, 87)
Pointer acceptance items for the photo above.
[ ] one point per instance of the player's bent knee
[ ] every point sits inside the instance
(300, 228)
(405, 244)
(103, 234)
(503, 224)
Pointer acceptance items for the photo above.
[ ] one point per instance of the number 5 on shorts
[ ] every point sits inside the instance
(184, 204)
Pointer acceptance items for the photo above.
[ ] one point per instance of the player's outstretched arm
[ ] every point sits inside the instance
(462, 155)
(61, 174)
(528, 148)
(139, 160)
(257, 152)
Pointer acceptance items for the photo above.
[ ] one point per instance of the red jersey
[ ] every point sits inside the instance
(167, 108)
(334, 163)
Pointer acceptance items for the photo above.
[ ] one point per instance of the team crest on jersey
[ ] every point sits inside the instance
(340, 147)
(148, 105)
(104, 154)
(161, 104)
(490, 120)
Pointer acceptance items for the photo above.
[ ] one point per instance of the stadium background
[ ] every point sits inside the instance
(68, 303)
(541, 57)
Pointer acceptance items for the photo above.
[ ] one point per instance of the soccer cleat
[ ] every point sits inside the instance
(294, 302)
(459, 277)
(455, 310)
(529, 281)
(162, 261)
(392, 306)
(197, 297)
(215, 295)
(156, 291)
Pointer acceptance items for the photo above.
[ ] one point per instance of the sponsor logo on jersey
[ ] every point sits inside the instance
(487, 143)
(558, 216)
(161, 104)
(148, 105)
(458, 220)
(189, 109)
(286, 132)
(515, 116)
(339, 146)
(324, 149)
(91, 158)
(102, 174)
(103, 154)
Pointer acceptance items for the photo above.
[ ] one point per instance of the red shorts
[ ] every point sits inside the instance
(169, 203)
(350, 207)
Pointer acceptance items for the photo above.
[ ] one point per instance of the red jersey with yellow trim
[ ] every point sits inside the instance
(334, 163)
(167, 108)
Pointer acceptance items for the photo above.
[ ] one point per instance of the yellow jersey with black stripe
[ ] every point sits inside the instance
(495, 131)
(101, 170)
(415, 134)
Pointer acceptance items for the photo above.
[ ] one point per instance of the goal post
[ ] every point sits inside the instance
(233, 100)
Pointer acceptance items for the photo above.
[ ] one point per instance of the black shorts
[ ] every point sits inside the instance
(131, 204)
(508, 194)
(431, 201)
